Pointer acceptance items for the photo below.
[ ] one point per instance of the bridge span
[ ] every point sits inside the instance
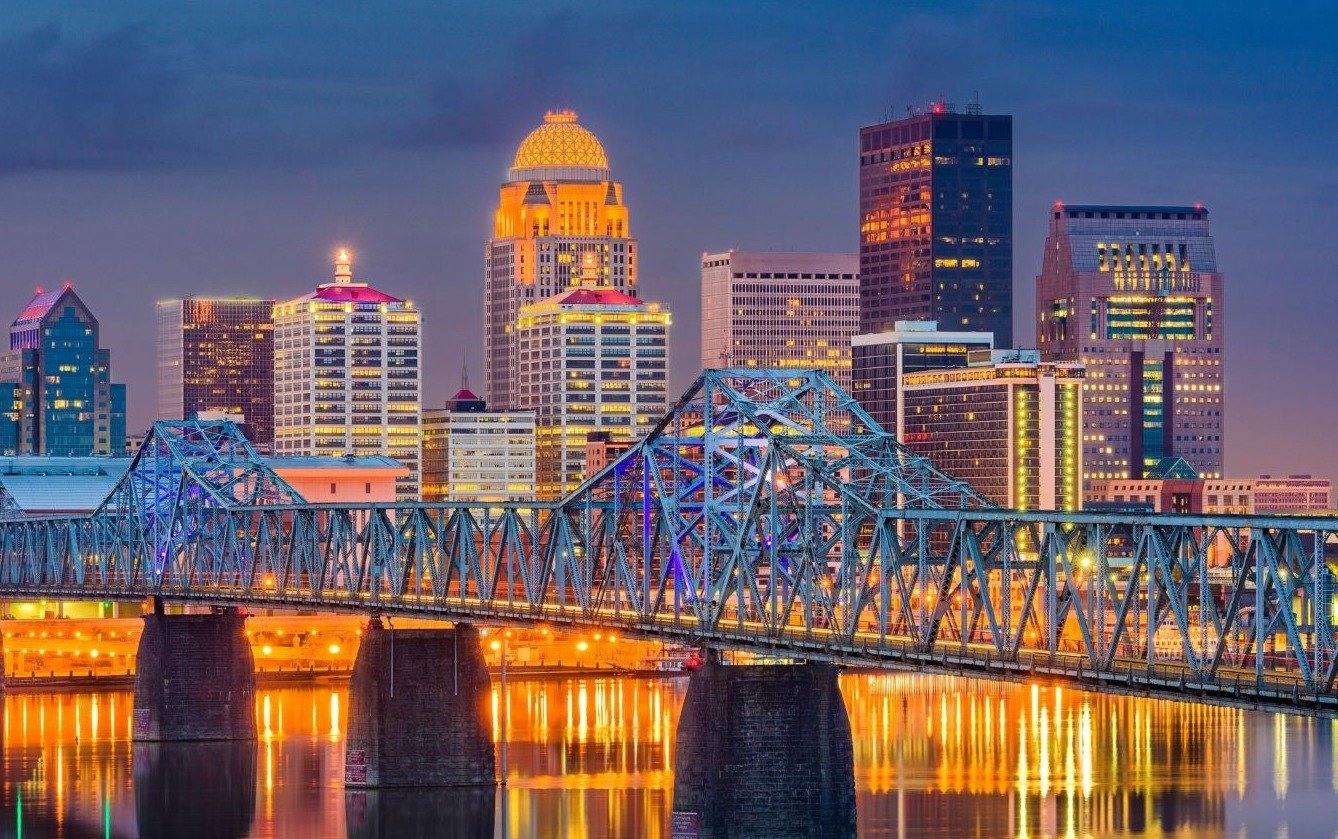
(765, 512)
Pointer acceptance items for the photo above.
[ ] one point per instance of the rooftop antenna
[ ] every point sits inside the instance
(464, 375)
(973, 107)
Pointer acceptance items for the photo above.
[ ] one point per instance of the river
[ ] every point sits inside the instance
(934, 757)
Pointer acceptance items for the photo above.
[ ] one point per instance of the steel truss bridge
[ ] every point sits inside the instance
(765, 512)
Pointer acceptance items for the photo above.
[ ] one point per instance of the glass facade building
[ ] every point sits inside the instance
(883, 359)
(780, 310)
(59, 398)
(1134, 294)
(1008, 424)
(936, 222)
(217, 354)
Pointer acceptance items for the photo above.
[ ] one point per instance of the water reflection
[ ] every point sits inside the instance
(463, 813)
(934, 756)
(197, 789)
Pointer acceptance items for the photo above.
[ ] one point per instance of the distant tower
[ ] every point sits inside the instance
(1134, 293)
(560, 222)
(217, 354)
(936, 222)
(56, 393)
(347, 374)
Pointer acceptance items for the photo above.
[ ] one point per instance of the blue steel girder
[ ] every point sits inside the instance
(766, 511)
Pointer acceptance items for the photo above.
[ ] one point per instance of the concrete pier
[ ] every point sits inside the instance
(765, 751)
(195, 678)
(419, 710)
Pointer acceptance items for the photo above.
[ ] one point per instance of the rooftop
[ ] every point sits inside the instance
(560, 148)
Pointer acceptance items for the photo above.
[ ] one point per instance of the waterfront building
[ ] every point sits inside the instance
(1134, 294)
(473, 454)
(560, 217)
(1267, 494)
(56, 393)
(217, 354)
(882, 359)
(780, 310)
(347, 374)
(936, 221)
(1008, 424)
(591, 359)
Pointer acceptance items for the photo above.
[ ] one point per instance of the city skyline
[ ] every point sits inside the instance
(162, 212)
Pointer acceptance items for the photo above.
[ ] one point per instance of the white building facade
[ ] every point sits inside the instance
(591, 359)
(780, 310)
(347, 375)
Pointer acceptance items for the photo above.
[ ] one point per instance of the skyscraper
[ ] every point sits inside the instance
(787, 310)
(57, 390)
(882, 360)
(1007, 423)
(1134, 293)
(217, 354)
(560, 217)
(346, 374)
(591, 359)
(936, 222)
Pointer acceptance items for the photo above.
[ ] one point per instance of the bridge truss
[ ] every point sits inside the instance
(767, 512)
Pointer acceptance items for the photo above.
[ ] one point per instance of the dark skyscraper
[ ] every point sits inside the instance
(936, 222)
(217, 354)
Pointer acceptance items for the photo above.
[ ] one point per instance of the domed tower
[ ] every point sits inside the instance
(560, 222)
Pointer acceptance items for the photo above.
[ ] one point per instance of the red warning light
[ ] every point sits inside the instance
(692, 662)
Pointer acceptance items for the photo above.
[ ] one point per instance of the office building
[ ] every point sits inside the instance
(1134, 294)
(591, 359)
(346, 374)
(936, 221)
(217, 354)
(882, 359)
(1007, 424)
(780, 310)
(56, 393)
(560, 218)
(601, 450)
(471, 454)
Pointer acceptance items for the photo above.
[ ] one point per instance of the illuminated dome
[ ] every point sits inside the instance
(560, 150)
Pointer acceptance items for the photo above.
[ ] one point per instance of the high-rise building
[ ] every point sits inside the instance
(1135, 295)
(883, 359)
(217, 354)
(1007, 424)
(591, 359)
(347, 374)
(780, 310)
(57, 395)
(936, 222)
(560, 218)
(472, 454)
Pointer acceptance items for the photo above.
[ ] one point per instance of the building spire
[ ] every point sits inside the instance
(464, 375)
(343, 266)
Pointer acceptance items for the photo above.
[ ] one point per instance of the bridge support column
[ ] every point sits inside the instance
(765, 750)
(418, 710)
(194, 678)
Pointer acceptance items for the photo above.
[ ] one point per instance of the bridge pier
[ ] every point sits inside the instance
(765, 750)
(418, 710)
(195, 678)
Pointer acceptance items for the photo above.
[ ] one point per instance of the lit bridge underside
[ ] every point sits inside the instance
(766, 512)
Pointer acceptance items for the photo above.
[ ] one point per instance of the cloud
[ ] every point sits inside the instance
(114, 101)
(534, 74)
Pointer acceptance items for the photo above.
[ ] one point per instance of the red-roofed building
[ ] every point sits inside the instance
(591, 359)
(347, 374)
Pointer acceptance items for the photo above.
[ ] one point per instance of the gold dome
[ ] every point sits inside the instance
(560, 143)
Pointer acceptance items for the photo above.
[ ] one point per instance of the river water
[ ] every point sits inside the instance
(934, 757)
